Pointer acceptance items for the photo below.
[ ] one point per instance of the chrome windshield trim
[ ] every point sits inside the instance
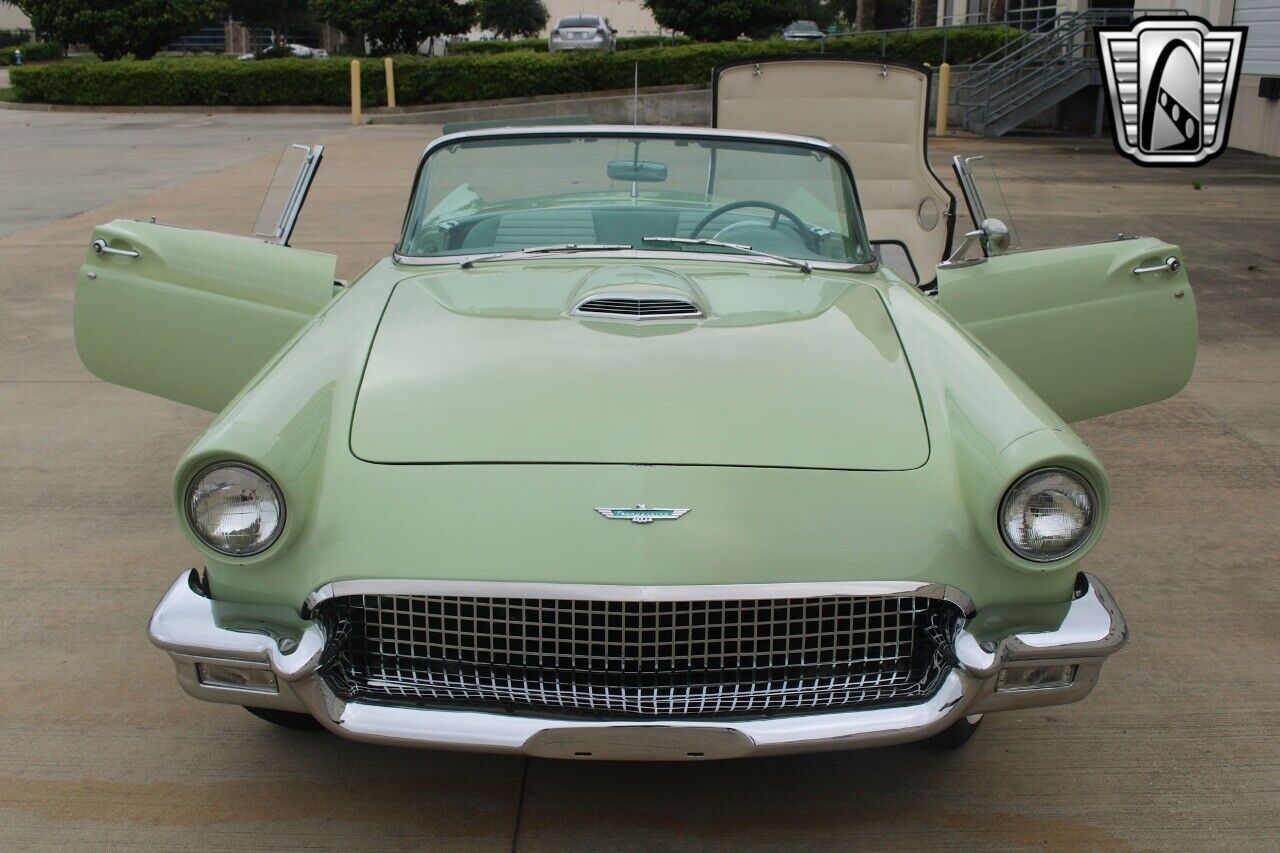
(632, 255)
(656, 131)
(652, 131)
(612, 592)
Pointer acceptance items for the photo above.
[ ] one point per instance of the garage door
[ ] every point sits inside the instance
(1262, 44)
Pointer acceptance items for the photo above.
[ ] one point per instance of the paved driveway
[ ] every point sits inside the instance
(98, 746)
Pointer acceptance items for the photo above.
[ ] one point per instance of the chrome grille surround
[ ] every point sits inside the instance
(638, 658)
(632, 306)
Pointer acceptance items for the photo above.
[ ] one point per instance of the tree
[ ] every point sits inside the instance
(279, 16)
(723, 20)
(115, 28)
(397, 26)
(510, 18)
(824, 13)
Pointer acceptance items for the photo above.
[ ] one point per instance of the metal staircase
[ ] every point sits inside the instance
(1040, 70)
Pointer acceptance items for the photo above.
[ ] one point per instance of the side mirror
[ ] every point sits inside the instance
(995, 236)
(642, 171)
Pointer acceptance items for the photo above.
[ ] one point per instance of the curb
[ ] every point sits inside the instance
(31, 108)
(370, 113)
(180, 108)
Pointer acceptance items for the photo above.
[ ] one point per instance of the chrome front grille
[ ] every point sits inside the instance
(633, 658)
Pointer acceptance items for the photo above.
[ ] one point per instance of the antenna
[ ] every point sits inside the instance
(635, 98)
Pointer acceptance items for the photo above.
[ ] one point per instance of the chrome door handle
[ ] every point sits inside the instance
(1171, 264)
(100, 247)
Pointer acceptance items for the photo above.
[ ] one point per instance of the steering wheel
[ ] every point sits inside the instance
(778, 212)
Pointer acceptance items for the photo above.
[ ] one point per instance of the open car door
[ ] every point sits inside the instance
(1092, 329)
(192, 315)
(876, 113)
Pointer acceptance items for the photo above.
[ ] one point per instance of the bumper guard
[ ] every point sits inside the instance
(184, 626)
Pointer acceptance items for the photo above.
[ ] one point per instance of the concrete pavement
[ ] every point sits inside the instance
(57, 164)
(98, 747)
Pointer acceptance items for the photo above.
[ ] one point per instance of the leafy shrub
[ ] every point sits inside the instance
(638, 42)
(425, 80)
(459, 48)
(35, 51)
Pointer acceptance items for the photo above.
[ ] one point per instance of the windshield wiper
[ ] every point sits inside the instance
(567, 248)
(741, 247)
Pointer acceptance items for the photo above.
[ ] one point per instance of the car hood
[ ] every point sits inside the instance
(785, 370)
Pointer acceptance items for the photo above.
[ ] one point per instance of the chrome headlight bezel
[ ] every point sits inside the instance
(1012, 492)
(189, 509)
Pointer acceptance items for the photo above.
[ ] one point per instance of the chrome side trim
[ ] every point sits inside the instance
(610, 592)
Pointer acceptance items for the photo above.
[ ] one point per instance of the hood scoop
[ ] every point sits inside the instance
(637, 306)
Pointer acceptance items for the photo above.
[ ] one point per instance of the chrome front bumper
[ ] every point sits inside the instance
(184, 626)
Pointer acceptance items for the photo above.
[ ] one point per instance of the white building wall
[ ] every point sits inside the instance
(1262, 46)
(1255, 125)
(12, 19)
(628, 17)
(1214, 11)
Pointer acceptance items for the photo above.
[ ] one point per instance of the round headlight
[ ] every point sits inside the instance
(1047, 514)
(234, 509)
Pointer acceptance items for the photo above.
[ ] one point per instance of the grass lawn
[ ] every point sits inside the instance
(8, 94)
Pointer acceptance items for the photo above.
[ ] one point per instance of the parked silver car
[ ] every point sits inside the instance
(582, 32)
(802, 31)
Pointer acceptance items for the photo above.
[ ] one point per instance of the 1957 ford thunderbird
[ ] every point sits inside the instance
(647, 442)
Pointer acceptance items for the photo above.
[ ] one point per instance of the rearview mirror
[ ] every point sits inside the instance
(643, 171)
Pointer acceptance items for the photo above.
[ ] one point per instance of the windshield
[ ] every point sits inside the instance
(491, 195)
(578, 22)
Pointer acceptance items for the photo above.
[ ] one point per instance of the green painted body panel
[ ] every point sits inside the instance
(475, 366)
(503, 327)
(196, 314)
(1078, 326)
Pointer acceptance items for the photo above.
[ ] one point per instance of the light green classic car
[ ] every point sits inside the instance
(634, 449)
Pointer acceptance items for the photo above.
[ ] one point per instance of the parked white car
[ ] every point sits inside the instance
(301, 51)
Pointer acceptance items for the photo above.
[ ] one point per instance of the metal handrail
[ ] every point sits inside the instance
(1015, 73)
(1051, 34)
(1043, 52)
(884, 34)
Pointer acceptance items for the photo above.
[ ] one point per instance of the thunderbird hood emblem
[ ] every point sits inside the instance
(640, 514)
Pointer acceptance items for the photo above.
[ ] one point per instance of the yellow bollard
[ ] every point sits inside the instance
(391, 81)
(944, 95)
(355, 91)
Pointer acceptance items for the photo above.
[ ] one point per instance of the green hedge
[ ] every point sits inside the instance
(32, 51)
(422, 80)
(539, 45)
